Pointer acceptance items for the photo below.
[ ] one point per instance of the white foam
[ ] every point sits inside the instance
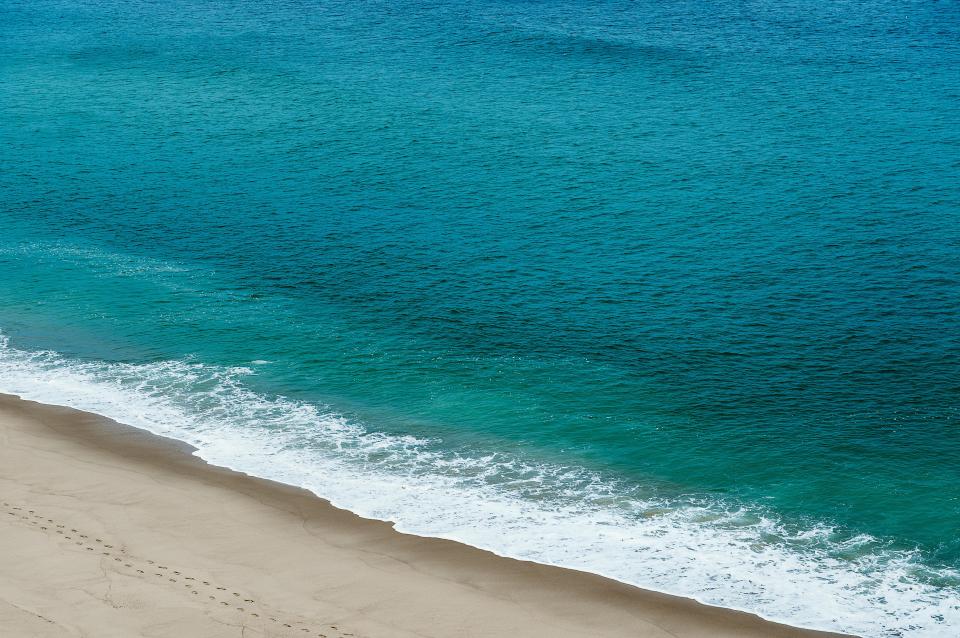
(91, 259)
(706, 549)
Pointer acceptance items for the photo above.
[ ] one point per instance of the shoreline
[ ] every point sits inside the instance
(144, 508)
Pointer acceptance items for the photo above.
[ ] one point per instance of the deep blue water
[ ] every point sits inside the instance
(664, 290)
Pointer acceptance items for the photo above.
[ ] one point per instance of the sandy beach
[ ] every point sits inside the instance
(111, 531)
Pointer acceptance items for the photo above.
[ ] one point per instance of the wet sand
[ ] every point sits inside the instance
(110, 531)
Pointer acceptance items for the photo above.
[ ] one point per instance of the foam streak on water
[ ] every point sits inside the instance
(714, 551)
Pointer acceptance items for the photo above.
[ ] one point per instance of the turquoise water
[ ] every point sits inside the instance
(665, 291)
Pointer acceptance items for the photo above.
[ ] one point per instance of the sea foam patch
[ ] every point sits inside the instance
(717, 552)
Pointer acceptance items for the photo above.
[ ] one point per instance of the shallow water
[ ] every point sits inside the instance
(670, 292)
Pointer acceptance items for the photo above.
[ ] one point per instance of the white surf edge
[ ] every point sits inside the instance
(390, 478)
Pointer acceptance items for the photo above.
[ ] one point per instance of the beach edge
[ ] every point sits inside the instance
(435, 587)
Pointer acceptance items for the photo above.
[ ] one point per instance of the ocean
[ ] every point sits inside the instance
(665, 291)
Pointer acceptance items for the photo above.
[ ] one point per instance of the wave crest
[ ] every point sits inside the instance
(717, 552)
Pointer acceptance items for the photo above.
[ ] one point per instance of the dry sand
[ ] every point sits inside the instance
(108, 531)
